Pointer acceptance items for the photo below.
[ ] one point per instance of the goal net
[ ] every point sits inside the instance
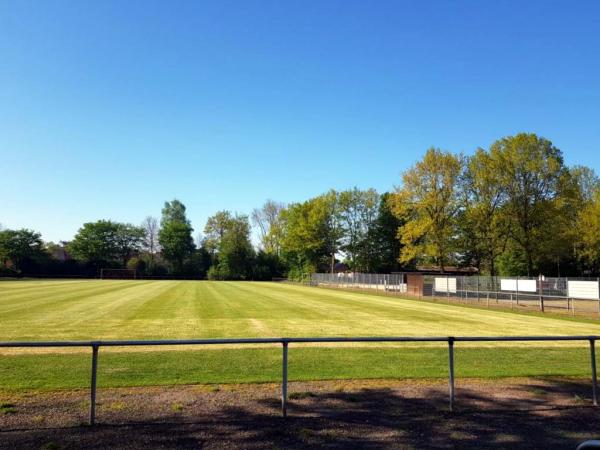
(118, 274)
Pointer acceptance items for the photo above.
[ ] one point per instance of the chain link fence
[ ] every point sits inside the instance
(558, 294)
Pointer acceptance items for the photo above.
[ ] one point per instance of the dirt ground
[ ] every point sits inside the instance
(515, 413)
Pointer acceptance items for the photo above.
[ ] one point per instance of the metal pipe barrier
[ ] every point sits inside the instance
(450, 340)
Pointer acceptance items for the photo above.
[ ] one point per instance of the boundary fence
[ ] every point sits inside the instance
(285, 342)
(571, 295)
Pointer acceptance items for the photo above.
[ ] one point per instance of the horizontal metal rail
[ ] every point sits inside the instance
(285, 341)
(291, 340)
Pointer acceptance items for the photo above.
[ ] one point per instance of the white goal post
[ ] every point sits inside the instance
(118, 274)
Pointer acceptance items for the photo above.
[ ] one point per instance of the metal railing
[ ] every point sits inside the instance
(285, 342)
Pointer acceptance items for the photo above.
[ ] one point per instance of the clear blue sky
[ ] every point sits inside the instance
(109, 108)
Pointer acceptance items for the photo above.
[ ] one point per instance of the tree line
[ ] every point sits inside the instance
(515, 208)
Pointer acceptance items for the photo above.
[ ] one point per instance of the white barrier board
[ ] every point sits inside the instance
(443, 284)
(583, 289)
(512, 284)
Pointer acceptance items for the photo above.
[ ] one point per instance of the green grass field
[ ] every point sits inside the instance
(102, 309)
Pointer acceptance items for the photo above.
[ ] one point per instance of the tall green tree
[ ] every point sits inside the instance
(334, 229)
(384, 237)
(216, 227)
(17, 246)
(588, 235)
(531, 172)
(174, 211)
(177, 243)
(175, 235)
(304, 239)
(429, 202)
(105, 241)
(483, 228)
(236, 253)
(358, 215)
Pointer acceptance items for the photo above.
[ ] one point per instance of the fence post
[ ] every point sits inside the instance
(541, 294)
(517, 294)
(93, 383)
(497, 288)
(594, 377)
(477, 288)
(451, 371)
(284, 380)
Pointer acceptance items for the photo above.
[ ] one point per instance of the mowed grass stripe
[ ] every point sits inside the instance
(50, 372)
(45, 300)
(104, 309)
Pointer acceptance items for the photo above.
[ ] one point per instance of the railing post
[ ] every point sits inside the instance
(284, 380)
(451, 371)
(95, 347)
(594, 377)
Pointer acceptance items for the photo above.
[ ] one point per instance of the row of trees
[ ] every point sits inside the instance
(513, 209)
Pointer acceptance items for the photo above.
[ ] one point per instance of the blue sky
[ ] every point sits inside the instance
(109, 108)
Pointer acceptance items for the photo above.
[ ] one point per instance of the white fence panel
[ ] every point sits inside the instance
(583, 289)
(443, 284)
(512, 284)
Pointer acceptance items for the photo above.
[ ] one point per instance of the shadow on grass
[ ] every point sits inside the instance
(538, 414)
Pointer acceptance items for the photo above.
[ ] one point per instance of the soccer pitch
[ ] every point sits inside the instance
(128, 309)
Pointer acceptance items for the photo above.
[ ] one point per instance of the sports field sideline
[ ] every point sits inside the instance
(127, 309)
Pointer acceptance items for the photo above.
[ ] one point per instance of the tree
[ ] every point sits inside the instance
(358, 213)
(215, 229)
(586, 181)
(173, 211)
(175, 235)
(150, 244)
(304, 238)
(333, 231)
(267, 266)
(483, 229)
(177, 244)
(588, 234)
(428, 202)
(129, 240)
(104, 241)
(268, 220)
(531, 170)
(235, 251)
(17, 246)
(383, 236)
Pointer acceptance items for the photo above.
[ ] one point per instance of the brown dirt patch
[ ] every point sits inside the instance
(515, 413)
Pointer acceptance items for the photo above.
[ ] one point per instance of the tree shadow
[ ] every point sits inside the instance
(539, 413)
